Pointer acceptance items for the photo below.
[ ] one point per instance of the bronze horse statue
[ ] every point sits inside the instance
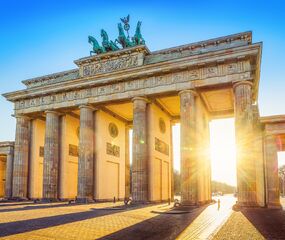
(137, 38)
(96, 47)
(108, 45)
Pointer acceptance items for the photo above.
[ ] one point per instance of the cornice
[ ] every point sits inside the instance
(243, 36)
(272, 119)
(52, 76)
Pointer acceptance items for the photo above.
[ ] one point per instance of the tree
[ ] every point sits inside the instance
(281, 172)
(177, 187)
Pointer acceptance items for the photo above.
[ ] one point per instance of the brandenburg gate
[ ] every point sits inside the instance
(72, 128)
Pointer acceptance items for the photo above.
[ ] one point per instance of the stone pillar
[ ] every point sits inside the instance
(21, 158)
(188, 162)
(246, 172)
(127, 164)
(51, 157)
(259, 157)
(9, 174)
(85, 192)
(272, 180)
(140, 156)
(172, 164)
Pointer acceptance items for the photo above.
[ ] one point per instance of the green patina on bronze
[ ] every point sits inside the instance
(108, 45)
(123, 40)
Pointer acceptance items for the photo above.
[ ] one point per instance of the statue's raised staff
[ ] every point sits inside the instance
(122, 39)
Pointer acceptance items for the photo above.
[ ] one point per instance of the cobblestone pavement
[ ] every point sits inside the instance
(26, 220)
(254, 223)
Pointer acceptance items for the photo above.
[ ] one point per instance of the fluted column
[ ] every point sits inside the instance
(188, 166)
(272, 180)
(172, 164)
(21, 156)
(127, 163)
(86, 155)
(140, 158)
(246, 172)
(51, 156)
(9, 174)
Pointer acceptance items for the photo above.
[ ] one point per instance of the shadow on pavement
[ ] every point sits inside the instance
(28, 225)
(163, 226)
(269, 222)
(34, 207)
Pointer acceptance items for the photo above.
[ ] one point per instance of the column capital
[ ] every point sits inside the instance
(236, 84)
(191, 91)
(270, 135)
(141, 98)
(87, 106)
(53, 111)
(22, 116)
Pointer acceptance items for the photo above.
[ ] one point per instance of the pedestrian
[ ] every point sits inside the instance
(219, 204)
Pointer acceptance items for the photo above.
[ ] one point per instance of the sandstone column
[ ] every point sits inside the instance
(172, 164)
(258, 152)
(246, 172)
(9, 175)
(140, 158)
(188, 143)
(51, 156)
(21, 156)
(271, 158)
(85, 190)
(127, 164)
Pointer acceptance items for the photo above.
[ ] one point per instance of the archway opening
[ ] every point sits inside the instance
(3, 161)
(281, 173)
(223, 156)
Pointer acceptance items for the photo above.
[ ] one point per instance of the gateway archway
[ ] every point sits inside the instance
(71, 133)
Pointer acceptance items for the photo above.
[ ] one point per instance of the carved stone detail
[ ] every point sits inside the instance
(110, 65)
(113, 150)
(161, 146)
(197, 74)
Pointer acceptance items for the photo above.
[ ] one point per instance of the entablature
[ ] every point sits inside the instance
(204, 61)
(6, 147)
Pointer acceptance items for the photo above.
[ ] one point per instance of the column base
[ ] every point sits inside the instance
(49, 200)
(19, 199)
(274, 206)
(246, 204)
(84, 200)
(136, 202)
(189, 203)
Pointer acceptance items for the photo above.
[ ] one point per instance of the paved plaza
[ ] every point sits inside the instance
(27, 220)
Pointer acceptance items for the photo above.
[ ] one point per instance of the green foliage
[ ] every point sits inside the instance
(216, 186)
(222, 187)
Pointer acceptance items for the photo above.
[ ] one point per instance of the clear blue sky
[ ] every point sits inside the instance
(42, 37)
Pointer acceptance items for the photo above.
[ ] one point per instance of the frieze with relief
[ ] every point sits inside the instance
(41, 151)
(161, 146)
(73, 150)
(110, 65)
(136, 84)
(113, 150)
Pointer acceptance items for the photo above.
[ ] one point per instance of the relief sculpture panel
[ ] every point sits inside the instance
(110, 65)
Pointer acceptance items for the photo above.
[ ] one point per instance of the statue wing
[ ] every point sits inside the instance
(128, 17)
(123, 20)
